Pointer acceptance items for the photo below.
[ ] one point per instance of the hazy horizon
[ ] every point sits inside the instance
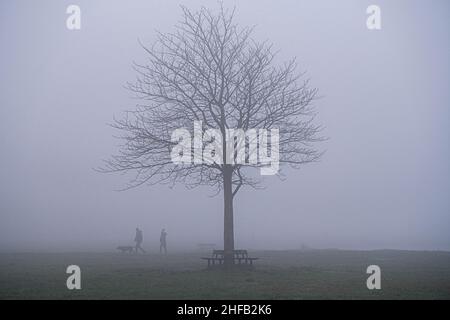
(383, 182)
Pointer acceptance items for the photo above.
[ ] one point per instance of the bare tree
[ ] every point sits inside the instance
(211, 70)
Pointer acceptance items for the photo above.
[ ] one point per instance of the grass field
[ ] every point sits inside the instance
(315, 274)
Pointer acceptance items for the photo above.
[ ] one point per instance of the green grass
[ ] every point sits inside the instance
(316, 274)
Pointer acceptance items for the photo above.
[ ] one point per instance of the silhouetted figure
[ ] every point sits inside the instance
(138, 239)
(162, 241)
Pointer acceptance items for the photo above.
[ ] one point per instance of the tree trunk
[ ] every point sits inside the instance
(228, 227)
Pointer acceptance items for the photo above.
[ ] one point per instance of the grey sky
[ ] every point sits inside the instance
(383, 182)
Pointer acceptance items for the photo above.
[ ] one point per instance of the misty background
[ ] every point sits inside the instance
(382, 183)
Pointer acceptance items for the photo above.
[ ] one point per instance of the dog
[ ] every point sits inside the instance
(125, 249)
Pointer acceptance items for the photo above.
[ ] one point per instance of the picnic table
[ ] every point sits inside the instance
(240, 257)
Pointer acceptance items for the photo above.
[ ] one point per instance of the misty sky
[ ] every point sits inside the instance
(382, 183)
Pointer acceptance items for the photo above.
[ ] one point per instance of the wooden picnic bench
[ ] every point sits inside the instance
(239, 256)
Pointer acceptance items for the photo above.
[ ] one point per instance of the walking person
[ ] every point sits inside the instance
(163, 242)
(138, 239)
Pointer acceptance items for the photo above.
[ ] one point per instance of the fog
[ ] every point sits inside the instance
(383, 181)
